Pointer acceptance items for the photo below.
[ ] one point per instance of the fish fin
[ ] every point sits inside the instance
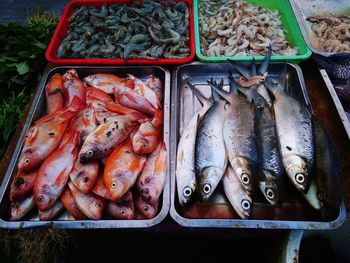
(253, 67)
(203, 100)
(265, 64)
(216, 89)
(241, 69)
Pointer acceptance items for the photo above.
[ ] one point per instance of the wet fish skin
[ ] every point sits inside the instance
(54, 173)
(151, 181)
(100, 188)
(73, 87)
(294, 130)
(70, 205)
(122, 209)
(104, 82)
(83, 176)
(54, 94)
(51, 212)
(155, 84)
(22, 185)
(312, 196)
(90, 204)
(20, 208)
(239, 197)
(93, 94)
(327, 166)
(210, 153)
(84, 122)
(149, 210)
(122, 168)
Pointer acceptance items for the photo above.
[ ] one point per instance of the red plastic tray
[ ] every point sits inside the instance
(62, 28)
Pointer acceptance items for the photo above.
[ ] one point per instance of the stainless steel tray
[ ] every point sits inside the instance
(345, 120)
(37, 110)
(294, 214)
(305, 8)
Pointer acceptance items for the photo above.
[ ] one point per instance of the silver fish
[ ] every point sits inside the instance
(294, 130)
(185, 165)
(210, 154)
(239, 135)
(239, 197)
(312, 196)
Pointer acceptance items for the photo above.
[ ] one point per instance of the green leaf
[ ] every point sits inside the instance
(22, 68)
(39, 45)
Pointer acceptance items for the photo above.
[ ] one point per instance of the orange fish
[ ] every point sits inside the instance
(51, 212)
(70, 205)
(54, 94)
(22, 184)
(151, 182)
(54, 173)
(147, 137)
(84, 122)
(44, 136)
(107, 82)
(147, 209)
(122, 169)
(107, 136)
(20, 208)
(101, 112)
(100, 188)
(156, 85)
(131, 99)
(90, 204)
(145, 91)
(123, 208)
(93, 94)
(84, 176)
(73, 87)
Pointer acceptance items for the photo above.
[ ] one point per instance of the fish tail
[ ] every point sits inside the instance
(203, 100)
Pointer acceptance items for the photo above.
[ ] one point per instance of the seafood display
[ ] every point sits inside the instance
(253, 136)
(94, 155)
(236, 28)
(330, 33)
(140, 30)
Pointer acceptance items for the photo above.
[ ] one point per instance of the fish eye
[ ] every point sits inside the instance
(114, 184)
(89, 153)
(300, 178)
(145, 208)
(269, 193)
(98, 205)
(86, 179)
(27, 161)
(245, 179)
(145, 192)
(187, 192)
(122, 212)
(245, 204)
(206, 188)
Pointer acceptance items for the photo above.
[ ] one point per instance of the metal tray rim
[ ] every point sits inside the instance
(85, 224)
(240, 223)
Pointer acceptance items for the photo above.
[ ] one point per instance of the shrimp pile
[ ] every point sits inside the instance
(236, 28)
(332, 32)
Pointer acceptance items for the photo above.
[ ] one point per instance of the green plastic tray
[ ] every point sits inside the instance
(289, 22)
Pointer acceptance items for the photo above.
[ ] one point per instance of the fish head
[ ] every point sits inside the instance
(297, 171)
(209, 179)
(149, 210)
(85, 181)
(96, 207)
(270, 191)
(117, 184)
(244, 207)
(88, 153)
(45, 199)
(28, 160)
(123, 212)
(242, 168)
(148, 193)
(186, 185)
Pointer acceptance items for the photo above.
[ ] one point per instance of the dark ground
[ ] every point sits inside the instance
(169, 243)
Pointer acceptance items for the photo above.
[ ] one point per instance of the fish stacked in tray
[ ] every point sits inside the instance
(98, 150)
(252, 138)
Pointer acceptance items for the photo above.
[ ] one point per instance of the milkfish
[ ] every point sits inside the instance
(151, 182)
(239, 135)
(185, 162)
(122, 168)
(54, 173)
(210, 154)
(54, 94)
(239, 197)
(294, 130)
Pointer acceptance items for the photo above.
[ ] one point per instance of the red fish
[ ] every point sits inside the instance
(70, 205)
(123, 208)
(156, 85)
(93, 94)
(54, 94)
(131, 99)
(147, 137)
(101, 112)
(100, 188)
(122, 169)
(149, 210)
(54, 173)
(84, 176)
(84, 122)
(106, 82)
(90, 204)
(22, 185)
(51, 212)
(73, 87)
(20, 208)
(151, 182)
(44, 137)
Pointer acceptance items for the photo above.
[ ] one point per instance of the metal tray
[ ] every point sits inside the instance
(343, 116)
(304, 8)
(295, 212)
(37, 110)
